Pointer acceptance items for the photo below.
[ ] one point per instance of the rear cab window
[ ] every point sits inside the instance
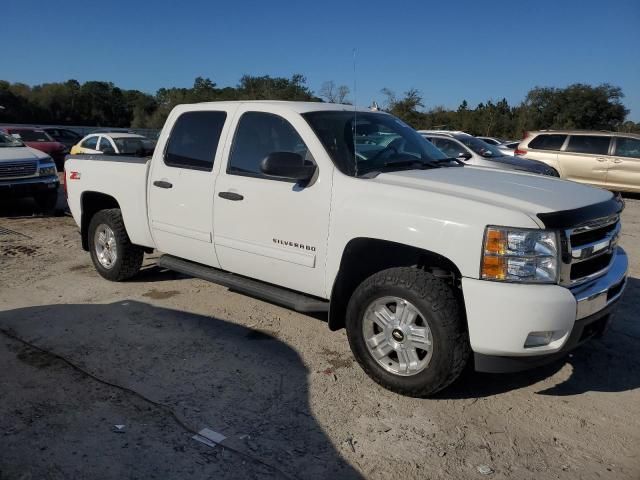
(592, 144)
(548, 142)
(194, 140)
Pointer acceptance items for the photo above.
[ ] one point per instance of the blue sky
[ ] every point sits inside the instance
(449, 51)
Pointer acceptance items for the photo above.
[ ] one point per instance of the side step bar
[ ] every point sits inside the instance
(254, 288)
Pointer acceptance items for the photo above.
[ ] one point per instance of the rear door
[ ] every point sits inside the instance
(586, 159)
(624, 166)
(269, 229)
(181, 184)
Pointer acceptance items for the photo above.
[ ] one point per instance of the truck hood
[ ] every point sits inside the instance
(11, 154)
(527, 193)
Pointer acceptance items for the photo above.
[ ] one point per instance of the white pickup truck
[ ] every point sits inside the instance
(427, 263)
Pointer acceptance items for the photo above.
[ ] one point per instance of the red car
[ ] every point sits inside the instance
(40, 140)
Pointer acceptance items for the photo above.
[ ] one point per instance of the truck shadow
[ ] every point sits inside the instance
(243, 383)
(607, 364)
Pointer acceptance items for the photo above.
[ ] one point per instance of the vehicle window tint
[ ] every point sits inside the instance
(588, 144)
(105, 145)
(548, 142)
(628, 147)
(91, 142)
(258, 135)
(194, 140)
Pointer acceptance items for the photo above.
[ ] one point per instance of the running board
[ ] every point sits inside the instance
(254, 288)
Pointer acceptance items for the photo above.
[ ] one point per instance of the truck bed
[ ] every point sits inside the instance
(122, 177)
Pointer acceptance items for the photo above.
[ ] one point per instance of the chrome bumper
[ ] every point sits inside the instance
(602, 291)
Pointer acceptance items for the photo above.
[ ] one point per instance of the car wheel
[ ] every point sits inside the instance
(407, 330)
(113, 255)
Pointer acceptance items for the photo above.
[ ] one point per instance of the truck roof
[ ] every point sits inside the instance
(298, 107)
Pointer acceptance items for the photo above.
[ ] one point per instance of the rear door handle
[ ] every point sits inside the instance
(601, 159)
(231, 196)
(162, 184)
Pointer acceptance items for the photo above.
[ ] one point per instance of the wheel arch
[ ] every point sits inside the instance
(363, 256)
(92, 202)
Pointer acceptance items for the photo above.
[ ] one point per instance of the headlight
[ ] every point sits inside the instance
(519, 255)
(48, 169)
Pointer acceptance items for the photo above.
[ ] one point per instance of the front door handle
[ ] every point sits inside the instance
(617, 160)
(231, 196)
(163, 184)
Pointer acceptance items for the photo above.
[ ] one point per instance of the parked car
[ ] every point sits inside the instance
(492, 140)
(115, 143)
(27, 172)
(606, 159)
(424, 260)
(473, 151)
(508, 148)
(40, 140)
(65, 136)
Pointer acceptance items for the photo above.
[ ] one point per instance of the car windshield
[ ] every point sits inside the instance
(480, 147)
(134, 146)
(382, 142)
(32, 135)
(8, 141)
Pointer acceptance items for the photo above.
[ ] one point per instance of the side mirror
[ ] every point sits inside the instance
(464, 156)
(288, 166)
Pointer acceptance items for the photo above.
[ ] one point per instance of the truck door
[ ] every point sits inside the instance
(181, 185)
(270, 229)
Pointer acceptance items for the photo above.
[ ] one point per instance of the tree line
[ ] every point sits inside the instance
(97, 103)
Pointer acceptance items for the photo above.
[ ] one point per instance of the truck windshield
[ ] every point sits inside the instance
(381, 141)
(7, 141)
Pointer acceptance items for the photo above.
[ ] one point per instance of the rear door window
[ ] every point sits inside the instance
(194, 140)
(596, 145)
(628, 147)
(548, 142)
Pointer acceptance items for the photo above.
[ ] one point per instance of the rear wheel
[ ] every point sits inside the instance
(406, 329)
(113, 255)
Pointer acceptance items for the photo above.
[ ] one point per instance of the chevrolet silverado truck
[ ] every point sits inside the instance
(428, 263)
(27, 172)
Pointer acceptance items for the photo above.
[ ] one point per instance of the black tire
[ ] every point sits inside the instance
(47, 201)
(128, 256)
(439, 306)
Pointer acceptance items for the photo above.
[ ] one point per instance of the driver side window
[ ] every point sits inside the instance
(449, 147)
(105, 145)
(259, 134)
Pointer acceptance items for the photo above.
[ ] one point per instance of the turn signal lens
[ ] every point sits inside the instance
(495, 242)
(494, 268)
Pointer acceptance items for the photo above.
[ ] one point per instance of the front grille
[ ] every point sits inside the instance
(591, 249)
(591, 266)
(18, 169)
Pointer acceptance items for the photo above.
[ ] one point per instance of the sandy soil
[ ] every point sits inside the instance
(279, 385)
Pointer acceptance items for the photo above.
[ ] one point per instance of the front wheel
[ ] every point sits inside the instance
(113, 255)
(406, 328)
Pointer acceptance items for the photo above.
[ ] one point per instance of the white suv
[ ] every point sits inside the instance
(606, 159)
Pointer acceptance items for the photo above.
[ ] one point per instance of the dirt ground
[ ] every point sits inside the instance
(165, 355)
